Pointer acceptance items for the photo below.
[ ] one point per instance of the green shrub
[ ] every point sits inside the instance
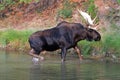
(111, 39)
(88, 47)
(92, 9)
(85, 47)
(65, 13)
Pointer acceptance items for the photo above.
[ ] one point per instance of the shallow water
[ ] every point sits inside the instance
(18, 66)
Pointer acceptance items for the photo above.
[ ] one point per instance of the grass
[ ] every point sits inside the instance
(87, 48)
(14, 39)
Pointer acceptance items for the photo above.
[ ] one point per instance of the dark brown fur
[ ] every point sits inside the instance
(64, 36)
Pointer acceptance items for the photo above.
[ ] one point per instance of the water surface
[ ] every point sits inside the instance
(18, 66)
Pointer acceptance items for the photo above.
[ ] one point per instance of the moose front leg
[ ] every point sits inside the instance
(78, 51)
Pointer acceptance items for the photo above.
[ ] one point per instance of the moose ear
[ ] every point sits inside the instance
(90, 30)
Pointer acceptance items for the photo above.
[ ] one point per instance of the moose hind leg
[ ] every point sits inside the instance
(63, 54)
(33, 53)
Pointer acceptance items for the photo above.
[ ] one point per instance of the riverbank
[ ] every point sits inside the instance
(19, 27)
(17, 40)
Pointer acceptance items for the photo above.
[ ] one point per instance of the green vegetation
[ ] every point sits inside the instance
(66, 11)
(118, 1)
(87, 48)
(25, 1)
(110, 43)
(6, 3)
(15, 39)
(91, 9)
(111, 39)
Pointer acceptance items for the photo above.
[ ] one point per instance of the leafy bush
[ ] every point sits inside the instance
(65, 13)
(111, 39)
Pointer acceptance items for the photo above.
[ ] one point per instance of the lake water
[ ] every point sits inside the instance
(18, 66)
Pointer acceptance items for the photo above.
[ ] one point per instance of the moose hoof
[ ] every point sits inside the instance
(41, 58)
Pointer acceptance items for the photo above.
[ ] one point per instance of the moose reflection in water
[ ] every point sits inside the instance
(73, 70)
(64, 36)
(52, 72)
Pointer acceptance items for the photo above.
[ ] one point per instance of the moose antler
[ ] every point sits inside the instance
(87, 17)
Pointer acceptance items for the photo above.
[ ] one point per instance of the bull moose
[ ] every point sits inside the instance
(64, 36)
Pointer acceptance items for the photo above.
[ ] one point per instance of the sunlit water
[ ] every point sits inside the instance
(18, 66)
